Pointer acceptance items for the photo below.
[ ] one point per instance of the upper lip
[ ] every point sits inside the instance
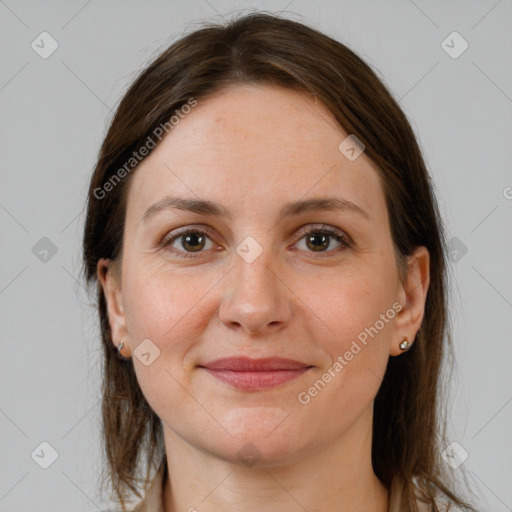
(246, 364)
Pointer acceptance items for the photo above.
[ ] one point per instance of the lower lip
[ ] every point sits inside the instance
(254, 381)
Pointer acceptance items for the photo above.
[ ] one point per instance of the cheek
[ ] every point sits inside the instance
(353, 306)
(167, 309)
(161, 304)
(358, 312)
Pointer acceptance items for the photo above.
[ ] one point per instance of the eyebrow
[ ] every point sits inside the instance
(205, 207)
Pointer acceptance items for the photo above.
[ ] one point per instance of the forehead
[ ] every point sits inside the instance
(261, 143)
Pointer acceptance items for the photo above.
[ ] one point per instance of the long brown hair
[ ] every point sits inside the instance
(409, 423)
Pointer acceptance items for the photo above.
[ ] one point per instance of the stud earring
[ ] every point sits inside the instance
(405, 345)
(119, 349)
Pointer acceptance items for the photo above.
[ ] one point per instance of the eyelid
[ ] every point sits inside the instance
(184, 230)
(331, 230)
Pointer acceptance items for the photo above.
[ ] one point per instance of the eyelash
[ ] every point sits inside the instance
(338, 235)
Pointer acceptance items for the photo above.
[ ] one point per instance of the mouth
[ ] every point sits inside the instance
(255, 374)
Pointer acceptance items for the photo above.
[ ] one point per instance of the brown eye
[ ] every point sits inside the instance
(190, 241)
(319, 240)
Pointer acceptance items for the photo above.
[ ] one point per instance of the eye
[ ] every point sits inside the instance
(318, 239)
(189, 241)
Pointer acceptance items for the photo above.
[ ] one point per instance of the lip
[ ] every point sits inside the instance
(255, 374)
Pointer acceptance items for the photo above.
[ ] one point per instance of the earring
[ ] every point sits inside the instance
(405, 345)
(119, 348)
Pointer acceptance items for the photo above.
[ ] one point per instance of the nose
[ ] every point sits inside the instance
(255, 298)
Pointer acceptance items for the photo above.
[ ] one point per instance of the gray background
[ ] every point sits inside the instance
(54, 113)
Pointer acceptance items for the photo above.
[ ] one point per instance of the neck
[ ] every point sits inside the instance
(338, 477)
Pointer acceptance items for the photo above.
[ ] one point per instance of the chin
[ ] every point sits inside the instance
(266, 436)
(259, 452)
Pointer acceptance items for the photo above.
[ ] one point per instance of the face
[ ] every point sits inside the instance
(268, 274)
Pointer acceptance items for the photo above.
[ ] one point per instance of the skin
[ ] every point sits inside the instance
(253, 149)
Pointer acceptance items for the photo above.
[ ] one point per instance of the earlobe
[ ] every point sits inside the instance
(110, 283)
(412, 295)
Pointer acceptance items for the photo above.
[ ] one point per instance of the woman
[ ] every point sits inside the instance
(271, 282)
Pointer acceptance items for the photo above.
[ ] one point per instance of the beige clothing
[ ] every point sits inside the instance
(153, 501)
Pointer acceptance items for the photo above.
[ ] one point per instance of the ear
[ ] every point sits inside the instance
(109, 276)
(412, 295)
